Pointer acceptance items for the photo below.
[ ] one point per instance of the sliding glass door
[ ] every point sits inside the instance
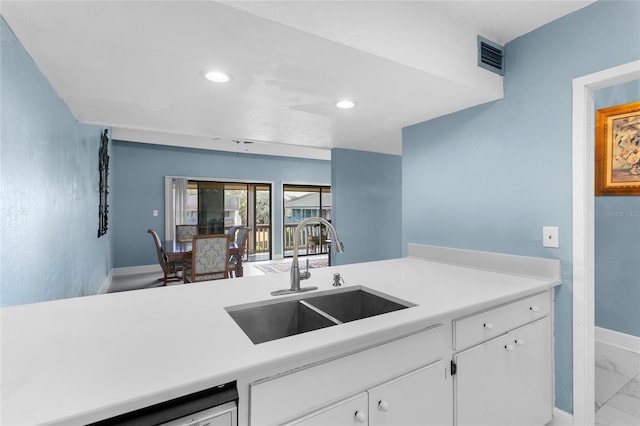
(217, 206)
(301, 202)
(210, 213)
(261, 221)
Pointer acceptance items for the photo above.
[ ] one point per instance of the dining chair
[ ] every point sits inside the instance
(171, 269)
(209, 258)
(186, 232)
(241, 243)
(320, 240)
(232, 232)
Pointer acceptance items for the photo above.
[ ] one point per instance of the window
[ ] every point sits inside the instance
(216, 206)
(301, 202)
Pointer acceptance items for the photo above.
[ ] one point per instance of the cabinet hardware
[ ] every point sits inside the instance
(360, 417)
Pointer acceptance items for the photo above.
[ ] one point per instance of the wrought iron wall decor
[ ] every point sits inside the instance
(103, 167)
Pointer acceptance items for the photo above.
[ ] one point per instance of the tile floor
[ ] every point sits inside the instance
(617, 386)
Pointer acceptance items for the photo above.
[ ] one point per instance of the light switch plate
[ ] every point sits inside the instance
(550, 236)
(155, 213)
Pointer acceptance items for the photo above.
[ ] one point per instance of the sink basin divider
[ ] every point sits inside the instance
(273, 319)
(320, 312)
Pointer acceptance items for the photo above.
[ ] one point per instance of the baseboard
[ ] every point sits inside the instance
(132, 270)
(561, 418)
(106, 284)
(615, 338)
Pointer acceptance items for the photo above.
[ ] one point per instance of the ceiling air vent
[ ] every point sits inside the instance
(490, 56)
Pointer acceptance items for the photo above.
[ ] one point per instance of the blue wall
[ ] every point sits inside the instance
(138, 188)
(48, 189)
(488, 178)
(367, 204)
(617, 242)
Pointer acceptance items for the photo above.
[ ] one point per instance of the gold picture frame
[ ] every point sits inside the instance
(617, 168)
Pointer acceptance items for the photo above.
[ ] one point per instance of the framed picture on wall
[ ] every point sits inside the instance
(617, 168)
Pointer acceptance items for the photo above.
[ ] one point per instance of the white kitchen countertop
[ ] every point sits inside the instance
(78, 360)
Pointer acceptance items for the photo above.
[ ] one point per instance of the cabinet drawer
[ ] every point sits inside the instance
(482, 326)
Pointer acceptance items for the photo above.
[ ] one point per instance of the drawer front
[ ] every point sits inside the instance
(477, 328)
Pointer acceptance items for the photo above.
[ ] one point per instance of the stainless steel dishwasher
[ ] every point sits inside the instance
(217, 406)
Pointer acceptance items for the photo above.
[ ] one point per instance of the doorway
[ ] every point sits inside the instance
(583, 125)
(215, 206)
(300, 202)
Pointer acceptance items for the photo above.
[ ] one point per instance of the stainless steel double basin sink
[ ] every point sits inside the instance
(274, 319)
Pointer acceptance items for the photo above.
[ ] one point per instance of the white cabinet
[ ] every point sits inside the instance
(503, 358)
(408, 373)
(421, 397)
(507, 380)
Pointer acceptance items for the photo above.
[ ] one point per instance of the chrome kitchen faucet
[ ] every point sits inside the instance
(296, 275)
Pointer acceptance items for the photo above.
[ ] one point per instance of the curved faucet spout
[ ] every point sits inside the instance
(338, 246)
(295, 274)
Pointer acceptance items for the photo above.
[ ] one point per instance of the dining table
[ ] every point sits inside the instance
(181, 249)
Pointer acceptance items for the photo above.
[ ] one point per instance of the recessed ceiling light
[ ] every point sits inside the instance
(345, 104)
(216, 76)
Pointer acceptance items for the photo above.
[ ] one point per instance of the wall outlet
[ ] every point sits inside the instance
(155, 213)
(550, 237)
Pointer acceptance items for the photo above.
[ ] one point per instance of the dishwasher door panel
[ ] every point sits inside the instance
(222, 415)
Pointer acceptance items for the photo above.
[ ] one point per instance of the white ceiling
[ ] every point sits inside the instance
(136, 66)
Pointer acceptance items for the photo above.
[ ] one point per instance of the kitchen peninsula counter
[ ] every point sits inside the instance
(80, 360)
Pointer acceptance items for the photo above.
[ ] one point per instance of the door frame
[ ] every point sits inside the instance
(583, 152)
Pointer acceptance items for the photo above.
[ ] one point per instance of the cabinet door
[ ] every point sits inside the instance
(506, 381)
(422, 397)
(351, 412)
